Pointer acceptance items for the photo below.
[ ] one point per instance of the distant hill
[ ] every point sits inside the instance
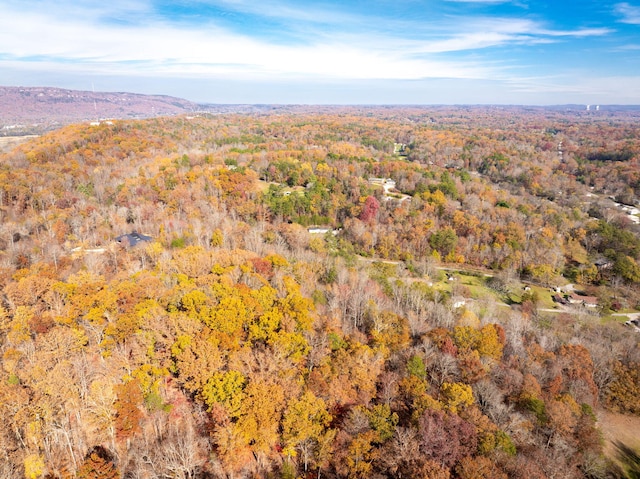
(33, 109)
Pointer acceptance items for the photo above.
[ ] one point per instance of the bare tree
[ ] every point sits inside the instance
(443, 368)
(491, 401)
(183, 452)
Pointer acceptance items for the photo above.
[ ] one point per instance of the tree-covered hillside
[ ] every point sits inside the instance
(352, 293)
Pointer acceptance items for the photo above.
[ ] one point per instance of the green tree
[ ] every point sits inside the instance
(627, 268)
(444, 241)
(382, 421)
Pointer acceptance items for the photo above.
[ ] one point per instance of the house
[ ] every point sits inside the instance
(459, 303)
(386, 183)
(321, 230)
(318, 230)
(132, 239)
(588, 301)
(558, 298)
(634, 323)
(603, 263)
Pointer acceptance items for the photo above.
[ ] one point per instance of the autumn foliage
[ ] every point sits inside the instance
(291, 318)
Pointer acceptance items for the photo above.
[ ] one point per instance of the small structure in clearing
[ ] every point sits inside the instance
(132, 239)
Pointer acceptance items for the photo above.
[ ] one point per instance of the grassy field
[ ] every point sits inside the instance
(7, 143)
(618, 428)
(476, 286)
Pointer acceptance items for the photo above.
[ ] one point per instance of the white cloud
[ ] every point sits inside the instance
(128, 38)
(210, 50)
(629, 13)
(579, 33)
(484, 33)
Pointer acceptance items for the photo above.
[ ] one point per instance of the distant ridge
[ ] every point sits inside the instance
(34, 110)
(25, 109)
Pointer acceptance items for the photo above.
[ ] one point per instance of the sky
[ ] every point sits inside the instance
(525, 52)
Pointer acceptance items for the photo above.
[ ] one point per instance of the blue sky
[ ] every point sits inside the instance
(329, 52)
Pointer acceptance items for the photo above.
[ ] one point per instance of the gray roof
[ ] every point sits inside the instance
(132, 238)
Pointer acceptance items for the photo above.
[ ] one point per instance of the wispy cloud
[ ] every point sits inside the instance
(176, 50)
(578, 33)
(481, 33)
(628, 47)
(279, 41)
(628, 13)
(96, 41)
(290, 12)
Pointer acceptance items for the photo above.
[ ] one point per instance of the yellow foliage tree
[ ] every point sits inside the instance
(259, 415)
(226, 389)
(34, 466)
(304, 426)
(456, 396)
(19, 331)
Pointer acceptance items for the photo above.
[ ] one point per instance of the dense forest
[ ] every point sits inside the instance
(347, 293)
